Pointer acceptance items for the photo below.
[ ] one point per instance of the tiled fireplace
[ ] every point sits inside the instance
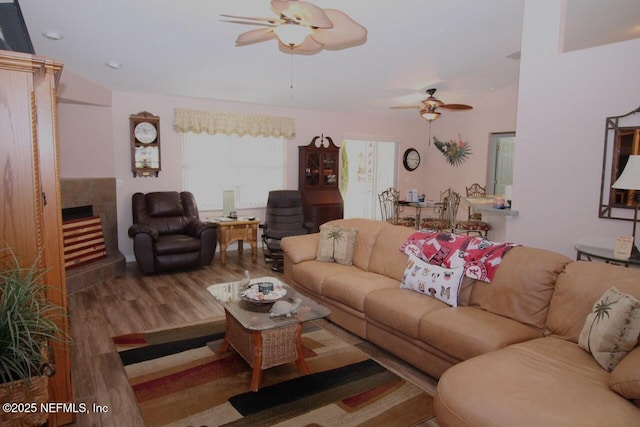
(100, 195)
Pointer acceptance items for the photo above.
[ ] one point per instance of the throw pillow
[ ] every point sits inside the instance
(439, 282)
(611, 329)
(625, 378)
(336, 244)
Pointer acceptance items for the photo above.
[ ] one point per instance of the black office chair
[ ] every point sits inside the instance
(283, 217)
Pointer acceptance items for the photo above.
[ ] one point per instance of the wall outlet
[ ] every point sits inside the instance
(119, 183)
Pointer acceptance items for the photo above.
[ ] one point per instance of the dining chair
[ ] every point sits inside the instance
(389, 205)
(447, 212)
(390, 209)
(474, 223)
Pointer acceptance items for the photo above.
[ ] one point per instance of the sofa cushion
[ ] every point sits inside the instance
(400, 309)
(612, 328)
(312, 274)
(351, 288)
(522, 286)
(438, 282)
(578, 287)
(385, 257)
(336, 244)
(368, 231)
(625, 378)
(465, 332)
(543, 382)
(301, 248)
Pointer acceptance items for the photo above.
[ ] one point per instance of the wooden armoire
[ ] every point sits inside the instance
(30, 191)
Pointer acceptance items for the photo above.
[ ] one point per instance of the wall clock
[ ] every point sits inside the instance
(411, 159)
(145, 144)
(145, 132)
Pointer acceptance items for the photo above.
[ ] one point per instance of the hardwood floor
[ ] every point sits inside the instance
(132, 302)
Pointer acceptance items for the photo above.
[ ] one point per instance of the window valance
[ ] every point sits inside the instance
(197, 121)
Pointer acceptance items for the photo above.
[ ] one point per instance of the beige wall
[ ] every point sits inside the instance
(564, 99)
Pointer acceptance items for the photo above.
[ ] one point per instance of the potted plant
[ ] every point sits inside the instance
(27, 327)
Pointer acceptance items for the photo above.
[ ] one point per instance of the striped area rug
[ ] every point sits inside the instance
(180, 379)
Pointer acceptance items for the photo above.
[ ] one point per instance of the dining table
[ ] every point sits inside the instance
(419, 206)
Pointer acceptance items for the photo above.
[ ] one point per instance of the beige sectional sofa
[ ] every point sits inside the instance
(507, 355)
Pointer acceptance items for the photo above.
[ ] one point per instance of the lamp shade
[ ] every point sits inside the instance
(630, 177)
(429, 115)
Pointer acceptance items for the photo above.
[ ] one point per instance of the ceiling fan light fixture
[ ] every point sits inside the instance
(432, 102)
(429, 115)
(292, 34)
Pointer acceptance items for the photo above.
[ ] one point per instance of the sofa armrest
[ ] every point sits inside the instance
(301, 248)
(195, 227)
(143, 228)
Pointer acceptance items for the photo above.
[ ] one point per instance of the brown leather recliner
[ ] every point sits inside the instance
(168, 234)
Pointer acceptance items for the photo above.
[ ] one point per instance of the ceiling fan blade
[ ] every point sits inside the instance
(249, 18)
(400, 107)
(309, 47)
(302, 12)
(456, 106)
(255, 36)
(261, 24)
(345, 32)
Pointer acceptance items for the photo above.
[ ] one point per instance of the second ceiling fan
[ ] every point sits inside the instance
(428, 107)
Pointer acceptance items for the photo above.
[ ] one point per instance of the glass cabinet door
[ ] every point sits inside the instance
(330, 170)
(312, 169)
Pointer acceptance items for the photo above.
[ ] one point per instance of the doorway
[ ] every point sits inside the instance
(501, 149)
(367, 169)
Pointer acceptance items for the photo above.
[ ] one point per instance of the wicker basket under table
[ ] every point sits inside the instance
(266, 348)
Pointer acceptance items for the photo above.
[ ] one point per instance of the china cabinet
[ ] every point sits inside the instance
(30, 192)
(318, 181)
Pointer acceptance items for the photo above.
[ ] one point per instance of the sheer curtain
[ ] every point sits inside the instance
(250, 166)
(368, 168)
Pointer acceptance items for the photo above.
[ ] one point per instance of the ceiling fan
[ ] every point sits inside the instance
(302, 27)
(428, 107)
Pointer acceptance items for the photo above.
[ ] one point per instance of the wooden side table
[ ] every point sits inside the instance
(240, 230)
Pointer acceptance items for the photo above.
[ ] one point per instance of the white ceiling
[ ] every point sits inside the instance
(181, 47)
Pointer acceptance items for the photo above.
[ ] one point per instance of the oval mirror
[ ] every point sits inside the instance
(621, 140)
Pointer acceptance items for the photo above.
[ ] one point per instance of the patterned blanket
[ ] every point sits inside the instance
(479, 257)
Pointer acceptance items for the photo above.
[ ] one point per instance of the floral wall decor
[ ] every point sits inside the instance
(455, 152)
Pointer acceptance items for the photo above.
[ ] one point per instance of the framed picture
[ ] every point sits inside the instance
(13, 31)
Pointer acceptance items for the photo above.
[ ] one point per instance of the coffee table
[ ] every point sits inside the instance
(264, 341)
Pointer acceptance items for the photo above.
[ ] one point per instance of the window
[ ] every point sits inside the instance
(250, 166)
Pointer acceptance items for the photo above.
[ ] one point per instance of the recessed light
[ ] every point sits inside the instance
(53, 35)
(113, 64)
